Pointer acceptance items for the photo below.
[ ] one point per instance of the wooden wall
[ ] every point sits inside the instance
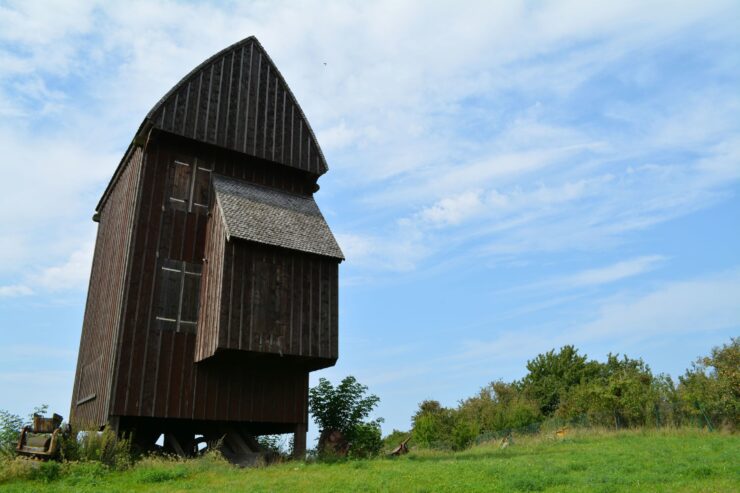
(237, 99)
(91, 394)
(155, 371)
(268, 300)
(209, 314)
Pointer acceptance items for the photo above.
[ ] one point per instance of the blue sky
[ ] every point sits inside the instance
(506, 177)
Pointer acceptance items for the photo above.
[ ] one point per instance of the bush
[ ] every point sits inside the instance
(624, 393)
(552, 374)
(464, 433)
(105, 447)
(12, 469)
(10, 431)
(433, 425)
(365, 440)
(710, 390)
(343, 409)
(500, 406)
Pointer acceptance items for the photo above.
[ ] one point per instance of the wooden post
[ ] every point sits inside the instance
(299, 441)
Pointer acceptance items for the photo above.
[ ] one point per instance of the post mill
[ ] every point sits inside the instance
(213, 290)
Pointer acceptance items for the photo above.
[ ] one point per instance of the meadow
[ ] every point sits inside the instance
(677, 460)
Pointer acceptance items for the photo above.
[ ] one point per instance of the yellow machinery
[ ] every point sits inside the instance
(41, 440)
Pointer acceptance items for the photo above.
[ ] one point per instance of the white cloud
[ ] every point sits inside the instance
(694, 306)
(15, 290)
(597, 276)
(401, 253)
(615, 272)
(419, 107)
(453, 210)
(73, 273)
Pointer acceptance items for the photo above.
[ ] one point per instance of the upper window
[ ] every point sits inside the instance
(190, 187)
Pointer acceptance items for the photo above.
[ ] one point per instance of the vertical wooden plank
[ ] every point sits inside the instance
(217, 95)
(306, 308)
(192, 103)
(188, 379)
(162, 374)
(204, 106)
(235, 117)
(226, 297)
(315, 307)
(249, 107)
(259, 101)
(268, 126)
(335, 311)
(225, 108)
(175, 391)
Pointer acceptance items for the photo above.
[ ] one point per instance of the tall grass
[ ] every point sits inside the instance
(582, 460)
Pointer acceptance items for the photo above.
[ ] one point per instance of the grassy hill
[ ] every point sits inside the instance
(662, 460)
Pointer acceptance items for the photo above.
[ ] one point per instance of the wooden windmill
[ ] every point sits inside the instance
(213, 290)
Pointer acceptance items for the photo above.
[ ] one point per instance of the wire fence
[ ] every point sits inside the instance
(665, 416)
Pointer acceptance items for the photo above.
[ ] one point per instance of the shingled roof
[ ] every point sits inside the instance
(272, 217)
(239, 100)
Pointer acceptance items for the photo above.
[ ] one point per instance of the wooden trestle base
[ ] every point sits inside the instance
(187, 438)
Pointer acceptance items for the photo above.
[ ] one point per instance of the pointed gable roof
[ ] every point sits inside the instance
(239, 100)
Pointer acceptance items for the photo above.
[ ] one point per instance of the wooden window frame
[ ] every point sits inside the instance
(194, 172)
(183, 269)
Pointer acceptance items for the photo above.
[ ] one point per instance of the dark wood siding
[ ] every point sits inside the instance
(91, 394)
(156, 374)
(269, 300)
(210, 293)
(239, 100)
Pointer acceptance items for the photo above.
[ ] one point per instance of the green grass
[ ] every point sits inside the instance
(663, 460)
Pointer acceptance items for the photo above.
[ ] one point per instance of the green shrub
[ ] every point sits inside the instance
(551, 375)
(15, 468)
(365, 440)
(105, 447)
(343, 409)
(500, 406)
(464, 433)
(10, 431)
(433, 425)
(710, 390)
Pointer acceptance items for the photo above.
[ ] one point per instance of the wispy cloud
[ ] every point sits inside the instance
(694, 306)
(697, 305)
(14, 290)
(73, 273)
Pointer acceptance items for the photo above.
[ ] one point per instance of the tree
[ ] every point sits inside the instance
(10, 430)
(710, 390)
(500, 406)
(343, 409)
(552, 374)
(433, 425)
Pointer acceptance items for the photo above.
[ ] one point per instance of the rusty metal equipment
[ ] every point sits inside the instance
(402, 447)
(41, 441)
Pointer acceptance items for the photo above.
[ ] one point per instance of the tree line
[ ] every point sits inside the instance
(563, 387)
(560, 388)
